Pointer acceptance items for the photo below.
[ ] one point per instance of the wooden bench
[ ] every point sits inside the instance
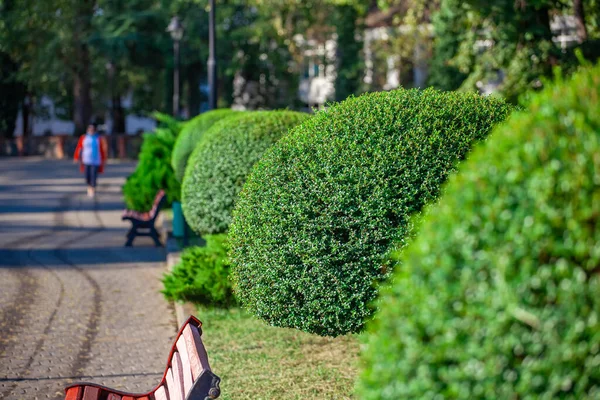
(144, 221)
(187, 375)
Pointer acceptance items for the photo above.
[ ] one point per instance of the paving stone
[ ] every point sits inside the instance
(74, 303)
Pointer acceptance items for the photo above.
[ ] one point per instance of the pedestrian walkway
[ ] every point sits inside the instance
(74, 303)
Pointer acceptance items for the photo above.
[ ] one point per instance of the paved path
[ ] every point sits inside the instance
(74, 303)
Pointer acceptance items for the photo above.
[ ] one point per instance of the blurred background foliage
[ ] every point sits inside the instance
(92, 56)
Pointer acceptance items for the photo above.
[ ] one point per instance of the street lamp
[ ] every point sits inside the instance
(176, 30)
(212, 62)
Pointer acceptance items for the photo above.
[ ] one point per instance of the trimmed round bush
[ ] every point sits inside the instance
(153, 172)
(223, 159)
(190, 136)
(499, 295)
(202, 276)
(323, 206)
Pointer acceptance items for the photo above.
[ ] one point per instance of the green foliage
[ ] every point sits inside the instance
(499, 295)
(153, 172)
(168, 122)
(350, 66)
(190, 135)
(450, 29)
(202, 276)
(322, 207)
(505, 43)
(219, 165)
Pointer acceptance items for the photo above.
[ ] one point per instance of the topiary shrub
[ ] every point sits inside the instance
(190, 136)
(153, 172)
(499, 295)
(202, 276)
(223, 159)
(323, 206)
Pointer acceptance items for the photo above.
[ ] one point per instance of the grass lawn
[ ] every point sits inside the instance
(257, 361)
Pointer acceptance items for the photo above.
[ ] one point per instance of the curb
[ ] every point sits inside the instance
(182, 309)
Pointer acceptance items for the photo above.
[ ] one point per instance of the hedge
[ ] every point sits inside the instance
(322, 207)
(153, 172)
(190, 136)
(202, 276)
(499, 296)
(223, 159)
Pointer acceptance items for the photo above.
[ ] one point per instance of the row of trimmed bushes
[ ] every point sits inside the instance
(499, 294)
(217, 151)
(495, 294)
(325, 205)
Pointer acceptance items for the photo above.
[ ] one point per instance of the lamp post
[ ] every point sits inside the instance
(212, 62)
(176, 30)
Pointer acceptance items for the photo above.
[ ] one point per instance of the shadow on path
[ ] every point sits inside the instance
(31, 258)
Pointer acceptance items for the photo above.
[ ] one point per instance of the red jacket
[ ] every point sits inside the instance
(103, 145)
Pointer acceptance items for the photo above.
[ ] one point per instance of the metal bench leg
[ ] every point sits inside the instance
(130, 236)
(154, 236)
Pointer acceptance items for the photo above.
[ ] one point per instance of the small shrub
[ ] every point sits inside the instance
(190, 136)
(323, 206)
(223, 159)
(153, 172)
(499, 295)
(202, 276)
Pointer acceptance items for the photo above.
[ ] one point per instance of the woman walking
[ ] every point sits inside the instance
(91, 154)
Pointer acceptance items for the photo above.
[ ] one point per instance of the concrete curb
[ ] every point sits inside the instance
(182, 309)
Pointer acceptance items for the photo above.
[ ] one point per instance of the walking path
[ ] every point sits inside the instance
(74, 303)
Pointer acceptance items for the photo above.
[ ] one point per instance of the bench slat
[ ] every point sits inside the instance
(200, 348)
(91, 393)
(114, 396)
(178, 375)
(74, 393)
(185, 362)
(161, 394)
(171, 390)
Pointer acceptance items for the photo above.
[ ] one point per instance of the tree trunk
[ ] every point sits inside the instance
(82, 83)
(25, 115)
(194, 97)
(118, 115)
(82, 100)
(580, 20)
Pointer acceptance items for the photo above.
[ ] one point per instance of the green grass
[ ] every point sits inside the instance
(257, 361)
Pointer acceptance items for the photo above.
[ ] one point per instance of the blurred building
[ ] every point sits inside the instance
(49, 119)
(317, 81)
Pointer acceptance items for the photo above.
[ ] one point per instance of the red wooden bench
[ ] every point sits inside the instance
(187, 375)
(144, 221)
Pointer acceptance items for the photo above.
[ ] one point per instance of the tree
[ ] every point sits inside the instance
(450, 28)
(507, 43)
(11, 95)
(49, 40)
(350, 65)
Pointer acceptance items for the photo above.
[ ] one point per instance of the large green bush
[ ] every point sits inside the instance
(190, 136)
(202, 276)
(499, 295)
(219, 165)
(321, 209)
(153, 172)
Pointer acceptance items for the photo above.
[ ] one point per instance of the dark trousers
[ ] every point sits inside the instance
(91, 174)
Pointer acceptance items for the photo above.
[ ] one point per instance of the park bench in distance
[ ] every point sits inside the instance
(187, 376)
(144, 221)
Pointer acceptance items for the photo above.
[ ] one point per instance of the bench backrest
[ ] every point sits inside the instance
(187, 374)
(159, 199)
(188, 359)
